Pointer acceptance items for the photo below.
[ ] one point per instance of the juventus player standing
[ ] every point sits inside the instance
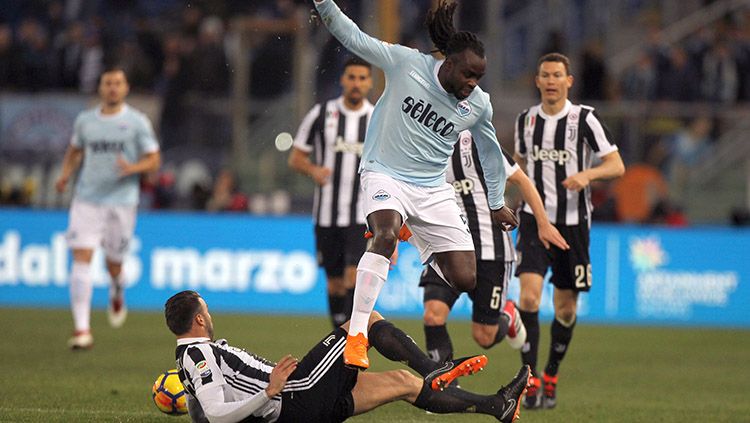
(555, 143)
(494, 318)
(334, 132)
(415, 124)
(116, 144)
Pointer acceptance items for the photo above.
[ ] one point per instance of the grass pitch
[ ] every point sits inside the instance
(611, 374)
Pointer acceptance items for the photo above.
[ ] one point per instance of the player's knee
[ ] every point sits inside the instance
(384, 242)
(529, 300)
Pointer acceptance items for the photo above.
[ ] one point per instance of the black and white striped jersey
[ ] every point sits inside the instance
(241, 374)
(466, 175)
(334, 136)
(559, 146)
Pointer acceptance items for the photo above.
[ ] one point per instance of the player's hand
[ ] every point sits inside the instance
(124, 166)
(61, 183)
(280, 374)
(549, 234)
(320, 174)
(505, 218)
(576, 182)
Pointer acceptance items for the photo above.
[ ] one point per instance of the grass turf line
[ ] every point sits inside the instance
(611, 374)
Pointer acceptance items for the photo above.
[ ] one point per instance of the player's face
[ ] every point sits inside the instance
(553, 82)
(356, 83)
(467, 68)
(207, 317)
(113, 87)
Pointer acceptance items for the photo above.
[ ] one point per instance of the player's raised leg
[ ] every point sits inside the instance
(372, 273)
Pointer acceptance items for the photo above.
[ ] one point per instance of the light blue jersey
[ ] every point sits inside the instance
(103, 138)
(416, 123)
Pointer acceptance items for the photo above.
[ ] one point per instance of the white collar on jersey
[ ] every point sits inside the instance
(116, 115)
(558, 115)
(355, 113)
(185, 341)
(435, 71)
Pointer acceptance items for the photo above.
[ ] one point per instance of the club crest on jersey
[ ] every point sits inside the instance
(463, 108)
(203, 368)
(381, 196)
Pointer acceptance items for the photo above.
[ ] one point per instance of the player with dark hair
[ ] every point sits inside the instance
(113, 144)
(229, 384)
(415, 124)
(494, 318)
(556, 141)
(333, 133)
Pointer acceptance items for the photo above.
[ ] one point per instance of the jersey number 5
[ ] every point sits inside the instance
(496, 297)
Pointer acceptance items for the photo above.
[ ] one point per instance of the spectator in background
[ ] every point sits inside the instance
(92, 62)
(173, 84)
(686, 149)
(226, 195)
(69, 52)
(593, 73)
(720, 74)
(8, 58)
(639, 80)
(33, 49)
(681, 79)
(209, 64)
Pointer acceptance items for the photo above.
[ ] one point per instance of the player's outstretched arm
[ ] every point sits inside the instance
(491, 158)
(377, 52)
(547, 232)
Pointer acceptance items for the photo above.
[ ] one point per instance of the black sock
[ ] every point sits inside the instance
(502, 328)
(456, 400)
(439, 346)
(337, 309)
(396, 345)
(561, 337)
(529, 350)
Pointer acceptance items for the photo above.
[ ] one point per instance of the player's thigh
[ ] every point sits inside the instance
(532, 256)
(381, 192)
(571, 269)
(118, 231)
(376, 389)
(489, 296)
(320, 387)
(436, 289)
(329, 242)
(86, 223)
(438, 226)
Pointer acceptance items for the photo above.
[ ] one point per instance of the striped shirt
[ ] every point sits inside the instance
(559, 146)
(466, 174)
(334, 135)
(242, 375)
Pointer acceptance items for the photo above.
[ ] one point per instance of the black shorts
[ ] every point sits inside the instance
(339, 247)
(320, 388)
(570, 269)
(487, 298)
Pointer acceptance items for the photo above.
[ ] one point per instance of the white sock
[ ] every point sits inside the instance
(80, 295)
(118, 282)
(372, 271)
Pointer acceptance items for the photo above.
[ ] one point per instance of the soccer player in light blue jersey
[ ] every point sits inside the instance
(112, 144)
(409, 141)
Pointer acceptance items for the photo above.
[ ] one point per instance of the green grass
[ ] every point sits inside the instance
(611, 374)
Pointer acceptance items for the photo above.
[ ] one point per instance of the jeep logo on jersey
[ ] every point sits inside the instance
(543, 154)
(463, 108)
(341, 146)
(381, 196)
(464, 186)
(426, 116)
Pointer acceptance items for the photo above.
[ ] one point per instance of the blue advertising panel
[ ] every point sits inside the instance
(641, 275)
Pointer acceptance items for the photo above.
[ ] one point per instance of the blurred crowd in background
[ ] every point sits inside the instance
(181, 52)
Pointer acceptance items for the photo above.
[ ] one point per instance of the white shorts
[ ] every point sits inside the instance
(93, 225)
(431, 213)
